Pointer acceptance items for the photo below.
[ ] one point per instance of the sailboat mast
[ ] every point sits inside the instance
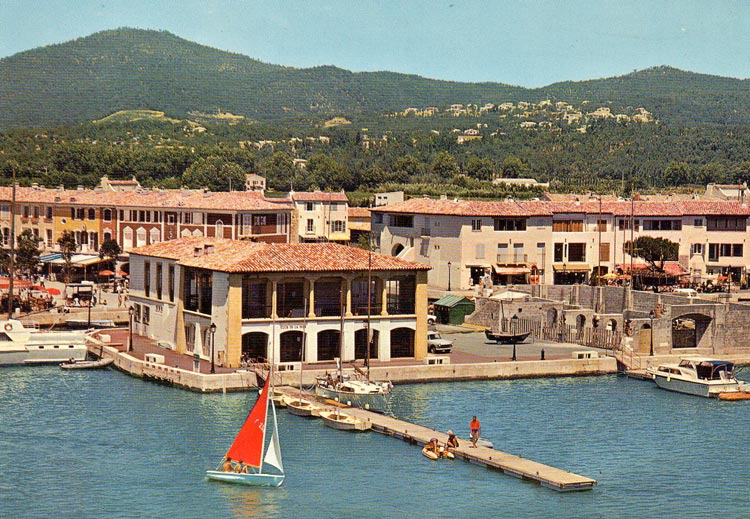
(304, 346)
(11, 260)
(268, 395)
(369, 311)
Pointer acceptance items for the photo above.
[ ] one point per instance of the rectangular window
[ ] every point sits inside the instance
(726, 223)
(402, 220)
(696, 249)
(170, 282)
(159, 281)
(576, 252)
(79, 213)
(604, 252)
(662, 225)
(198, 290)
(480, 250)
(476, 225)
(698, 222)
(338, 226)
(259, 219)
(310, 225)
(737, 250)
(601, 225)
(146, 278)
(567, 226)
(559, 250)
(49, 213)
(146, 314)
(36, 212)
(170, 218)
(26, 211)
(713, 252)
(309, 206)
(624, 224)
(5, 211)
(187, 218)
(510, 224)
(377, 217)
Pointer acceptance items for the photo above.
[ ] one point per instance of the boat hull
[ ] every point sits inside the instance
(257, 480)
(376, 402)
(343, 422)
(43, 354)
(87, 364)
(302, 408)
(706, 389)
(506, 338)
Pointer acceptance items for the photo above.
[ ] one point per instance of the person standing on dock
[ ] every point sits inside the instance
(475, 428)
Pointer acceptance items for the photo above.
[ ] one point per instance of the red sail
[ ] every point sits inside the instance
(248, 446)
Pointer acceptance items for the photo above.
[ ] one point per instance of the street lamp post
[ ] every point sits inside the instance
(212, 328)
(131, 313)
(513, 328)
(449, 276)
(651, 316)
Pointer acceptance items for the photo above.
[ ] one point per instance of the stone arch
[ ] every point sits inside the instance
(397, 249)
(688, 330)
(290, 345)
(402, 342)
(328, 344)
(551, 316)
(580, 321)
(255, 346)
(360, 344)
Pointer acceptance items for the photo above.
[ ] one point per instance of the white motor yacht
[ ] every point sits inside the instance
(21, 345)
(698, 376)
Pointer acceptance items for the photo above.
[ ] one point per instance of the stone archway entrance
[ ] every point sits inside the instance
(255, 346)
(360, 344)
(688, 330)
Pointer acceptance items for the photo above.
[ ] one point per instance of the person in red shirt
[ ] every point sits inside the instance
(475, 427)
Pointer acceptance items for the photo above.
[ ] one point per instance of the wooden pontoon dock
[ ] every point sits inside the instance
(510, 464)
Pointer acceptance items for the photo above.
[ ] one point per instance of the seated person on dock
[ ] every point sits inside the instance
(452, 442)
(433, 446)
(227, 465)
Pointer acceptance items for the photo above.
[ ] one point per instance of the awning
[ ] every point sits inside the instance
(17, 284)
(49, 258)
(571, 268)
(511, 271)
(78, 260)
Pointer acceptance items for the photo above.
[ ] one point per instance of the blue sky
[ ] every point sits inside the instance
(529, 43)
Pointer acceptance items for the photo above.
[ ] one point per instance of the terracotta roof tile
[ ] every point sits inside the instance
(320, 196)
(640, 208)
(359, 212)
(244, 256)
(171, 198)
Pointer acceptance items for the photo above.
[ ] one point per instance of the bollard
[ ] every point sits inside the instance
(542, 354)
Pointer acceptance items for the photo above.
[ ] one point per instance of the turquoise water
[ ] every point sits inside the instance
(102, 444)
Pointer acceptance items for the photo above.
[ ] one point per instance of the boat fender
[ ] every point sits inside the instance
(669, 378)
(8, 327)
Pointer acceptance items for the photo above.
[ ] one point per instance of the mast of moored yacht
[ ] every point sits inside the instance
(369, 311)
(11, 260)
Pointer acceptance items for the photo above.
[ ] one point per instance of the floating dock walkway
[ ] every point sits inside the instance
(510, 464)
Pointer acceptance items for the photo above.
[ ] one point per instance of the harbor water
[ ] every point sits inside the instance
(102, 444)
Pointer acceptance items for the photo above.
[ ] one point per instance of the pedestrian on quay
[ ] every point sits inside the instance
(475, 428)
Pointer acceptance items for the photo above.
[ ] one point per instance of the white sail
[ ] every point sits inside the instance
(273, 454)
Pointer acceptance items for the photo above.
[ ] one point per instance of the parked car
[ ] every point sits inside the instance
(690, 292)
(436, 344)
(431, 319)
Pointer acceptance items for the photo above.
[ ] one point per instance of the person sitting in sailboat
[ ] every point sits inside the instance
(227, 465)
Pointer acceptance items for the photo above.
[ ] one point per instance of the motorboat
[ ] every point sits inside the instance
(506, 337)
(365, 394)
(21, 345)
(85, 324)
(698, 376)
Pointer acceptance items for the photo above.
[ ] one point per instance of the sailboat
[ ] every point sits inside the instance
(363, 392)
(300, 406)
(249, 448)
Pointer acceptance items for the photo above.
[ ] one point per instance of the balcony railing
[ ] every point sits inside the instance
(513, 258)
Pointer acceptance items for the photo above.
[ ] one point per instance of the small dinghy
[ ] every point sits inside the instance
(86, 364)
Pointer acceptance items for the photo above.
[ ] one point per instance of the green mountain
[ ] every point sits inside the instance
(130, 69)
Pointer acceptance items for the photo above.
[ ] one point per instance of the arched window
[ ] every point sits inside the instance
(185, 233)
(154, 236)
(219, 229)
(127, 238)
(107, 215)
(140, 237)
(92, 214)
(198, 233)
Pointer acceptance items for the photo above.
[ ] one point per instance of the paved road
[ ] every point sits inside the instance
(475, 344)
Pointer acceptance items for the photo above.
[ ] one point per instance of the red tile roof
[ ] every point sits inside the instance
(245, 256)
(671, 268)
(169, 198)
(359, 212)
(515, 208)
(320, 196)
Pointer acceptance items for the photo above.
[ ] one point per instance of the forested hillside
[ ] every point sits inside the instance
(128, 69)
